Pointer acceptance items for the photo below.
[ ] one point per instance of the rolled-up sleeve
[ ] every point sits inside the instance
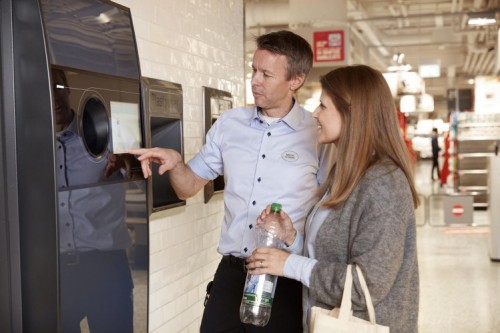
(299, 268)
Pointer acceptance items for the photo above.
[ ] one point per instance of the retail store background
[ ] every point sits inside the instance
(424, 31)
(202, 43)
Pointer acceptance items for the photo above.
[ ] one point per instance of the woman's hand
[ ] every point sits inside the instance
(266, 260)
(286, 232)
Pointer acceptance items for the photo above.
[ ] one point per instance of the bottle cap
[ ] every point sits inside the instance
(275, 207)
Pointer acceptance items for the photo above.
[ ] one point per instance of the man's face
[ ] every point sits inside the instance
(270, 87)
(62, 110)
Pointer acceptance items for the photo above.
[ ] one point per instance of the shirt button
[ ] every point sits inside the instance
(253, 202)
(59, 146)
(60, 167)
(263, 156)
(258, 179)
(67, 224)
(69, 245)
(268, 133)
(63, 204)
(260, 121)
(250, 226)
(245, 249)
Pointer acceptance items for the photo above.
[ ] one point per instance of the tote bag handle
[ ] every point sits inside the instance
(346, 305)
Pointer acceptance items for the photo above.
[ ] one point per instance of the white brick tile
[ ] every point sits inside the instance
(194, 43)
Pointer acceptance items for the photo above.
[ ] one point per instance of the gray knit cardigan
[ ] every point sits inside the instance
(375, 229)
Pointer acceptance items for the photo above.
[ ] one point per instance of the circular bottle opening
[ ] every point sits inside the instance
(95, 127)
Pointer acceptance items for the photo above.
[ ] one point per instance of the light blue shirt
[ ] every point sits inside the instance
(91, 217)
(262, 164)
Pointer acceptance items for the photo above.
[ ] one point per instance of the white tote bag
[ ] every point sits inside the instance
(341, 320)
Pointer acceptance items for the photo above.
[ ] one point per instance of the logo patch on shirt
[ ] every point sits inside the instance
(290, 156)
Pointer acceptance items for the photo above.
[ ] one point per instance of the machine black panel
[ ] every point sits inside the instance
(103, 232)
(165, 133)
(91, 35)
(108, 118)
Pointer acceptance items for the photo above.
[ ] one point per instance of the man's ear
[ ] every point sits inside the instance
(297, 81)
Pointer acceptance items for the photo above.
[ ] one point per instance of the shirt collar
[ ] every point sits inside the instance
(293, 118)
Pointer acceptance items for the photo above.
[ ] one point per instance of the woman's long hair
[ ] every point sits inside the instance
(370, 129)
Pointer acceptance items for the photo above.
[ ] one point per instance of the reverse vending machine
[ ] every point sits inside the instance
(71, 110)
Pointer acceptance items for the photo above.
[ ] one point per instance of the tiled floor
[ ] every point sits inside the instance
(459, 284)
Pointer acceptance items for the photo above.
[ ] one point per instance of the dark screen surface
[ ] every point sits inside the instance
(91, 35)
(165, 133)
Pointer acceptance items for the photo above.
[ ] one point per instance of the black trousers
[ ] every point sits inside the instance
(222, 311)
(97, 285)
(435, 166)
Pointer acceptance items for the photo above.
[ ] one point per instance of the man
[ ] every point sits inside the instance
(435, 153)
(95, 278)
(266, 153)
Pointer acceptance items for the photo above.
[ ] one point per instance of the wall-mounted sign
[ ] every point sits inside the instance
(458, 209)
(328, 46)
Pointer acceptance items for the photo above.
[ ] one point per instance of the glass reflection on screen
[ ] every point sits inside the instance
(102, 210)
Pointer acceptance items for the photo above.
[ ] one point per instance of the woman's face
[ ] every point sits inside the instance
(329, 120)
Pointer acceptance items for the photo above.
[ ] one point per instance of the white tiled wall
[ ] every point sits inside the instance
(195, 43)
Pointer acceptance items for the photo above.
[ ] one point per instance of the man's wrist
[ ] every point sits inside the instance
(179, 163)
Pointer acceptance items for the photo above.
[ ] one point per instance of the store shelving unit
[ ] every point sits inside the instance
(476, 137)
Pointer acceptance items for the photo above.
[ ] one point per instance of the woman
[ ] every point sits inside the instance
(366, 212)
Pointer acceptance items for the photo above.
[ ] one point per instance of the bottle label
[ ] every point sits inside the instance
(258, 291)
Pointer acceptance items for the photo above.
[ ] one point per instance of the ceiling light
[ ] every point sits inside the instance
(430, 69)
(398, 57)
(399, 68)
(479, 19)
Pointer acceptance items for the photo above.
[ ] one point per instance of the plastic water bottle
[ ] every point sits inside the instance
(258, 293)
